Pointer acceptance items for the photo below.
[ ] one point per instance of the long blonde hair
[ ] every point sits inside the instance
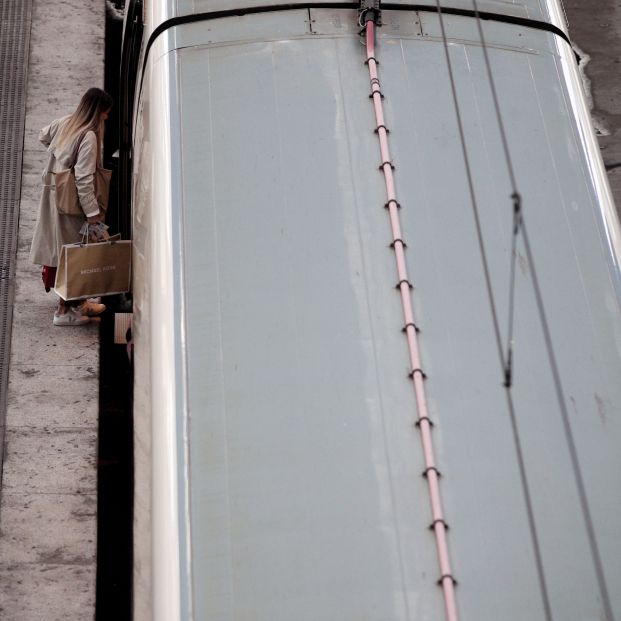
(89, 115)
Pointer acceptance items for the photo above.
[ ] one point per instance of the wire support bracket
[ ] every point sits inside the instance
(427, 470)
(376, 130)
(392, 200)
(508, 375)
(508, 369)
(421, 419)
(369, 11)
(412, 373)
(517, 212)
(387, 163)
(366, 62)
(404, 280)
(432, 526)
(373, 93)
(411, 324)
(398, 240)
(443, 577)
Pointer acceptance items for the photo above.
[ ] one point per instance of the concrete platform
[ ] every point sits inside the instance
(595, 28)
(48, 504)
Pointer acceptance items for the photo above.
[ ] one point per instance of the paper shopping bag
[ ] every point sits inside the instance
(91, 270)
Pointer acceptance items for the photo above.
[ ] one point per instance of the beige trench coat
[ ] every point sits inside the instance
(52, 229)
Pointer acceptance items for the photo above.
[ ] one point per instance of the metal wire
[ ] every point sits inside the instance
(569, 438)
(497, 332)
(520, 227)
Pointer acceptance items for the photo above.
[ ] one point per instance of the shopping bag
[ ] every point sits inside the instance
(67, 200)
(91, 270)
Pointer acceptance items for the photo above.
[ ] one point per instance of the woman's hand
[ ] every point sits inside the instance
(97, 218)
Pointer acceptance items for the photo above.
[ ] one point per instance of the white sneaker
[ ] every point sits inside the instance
(90, 308)
(72, 317)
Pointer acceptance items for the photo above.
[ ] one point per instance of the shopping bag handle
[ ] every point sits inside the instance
(106, 237)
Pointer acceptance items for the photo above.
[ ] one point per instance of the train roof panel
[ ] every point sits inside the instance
(549, 11)
(307, 500)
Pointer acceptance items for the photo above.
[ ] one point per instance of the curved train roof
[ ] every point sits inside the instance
(549, 11)
(300, 456)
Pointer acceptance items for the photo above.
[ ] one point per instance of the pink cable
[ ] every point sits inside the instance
(439, 526)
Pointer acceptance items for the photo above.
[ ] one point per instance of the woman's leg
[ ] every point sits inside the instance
(62, 307)
(69, 313)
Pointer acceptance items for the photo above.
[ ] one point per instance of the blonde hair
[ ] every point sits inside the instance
(87, 116)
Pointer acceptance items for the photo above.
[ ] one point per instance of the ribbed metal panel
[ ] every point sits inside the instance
(15, 21)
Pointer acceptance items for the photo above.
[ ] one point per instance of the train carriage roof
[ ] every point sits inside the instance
(549, 11)
(304, 468)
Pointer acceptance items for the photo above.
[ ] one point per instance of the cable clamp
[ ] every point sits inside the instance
(366, 62)
(376, 130)
(381, 167)
(508, 381)
(415, 371)
(508, 370)
(443, 577)
(392, 200)
(369, 11)
(517, 212)
(432, 526)
(426, 471)
(373, 93)
(421, 419)
(410, 325)
(375, 81)
(407, 282)
(394, 241)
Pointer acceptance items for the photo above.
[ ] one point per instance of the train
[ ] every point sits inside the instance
(376, 314)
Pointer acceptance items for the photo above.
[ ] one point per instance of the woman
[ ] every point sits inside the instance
(80, 132)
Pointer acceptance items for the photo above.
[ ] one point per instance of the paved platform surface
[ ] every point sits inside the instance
(49, 487)
(595, 27)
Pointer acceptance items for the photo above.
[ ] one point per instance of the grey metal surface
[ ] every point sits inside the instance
(15, 20)
(535, 9)
(581, 298)
(287, 434)
(309, 513)
(543, 10)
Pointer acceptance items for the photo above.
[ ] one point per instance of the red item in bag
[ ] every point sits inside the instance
(48, 275)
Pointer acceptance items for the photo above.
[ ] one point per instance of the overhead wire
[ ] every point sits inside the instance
(519, 227)
(505, 352)
(515, 197)
(497, 331)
